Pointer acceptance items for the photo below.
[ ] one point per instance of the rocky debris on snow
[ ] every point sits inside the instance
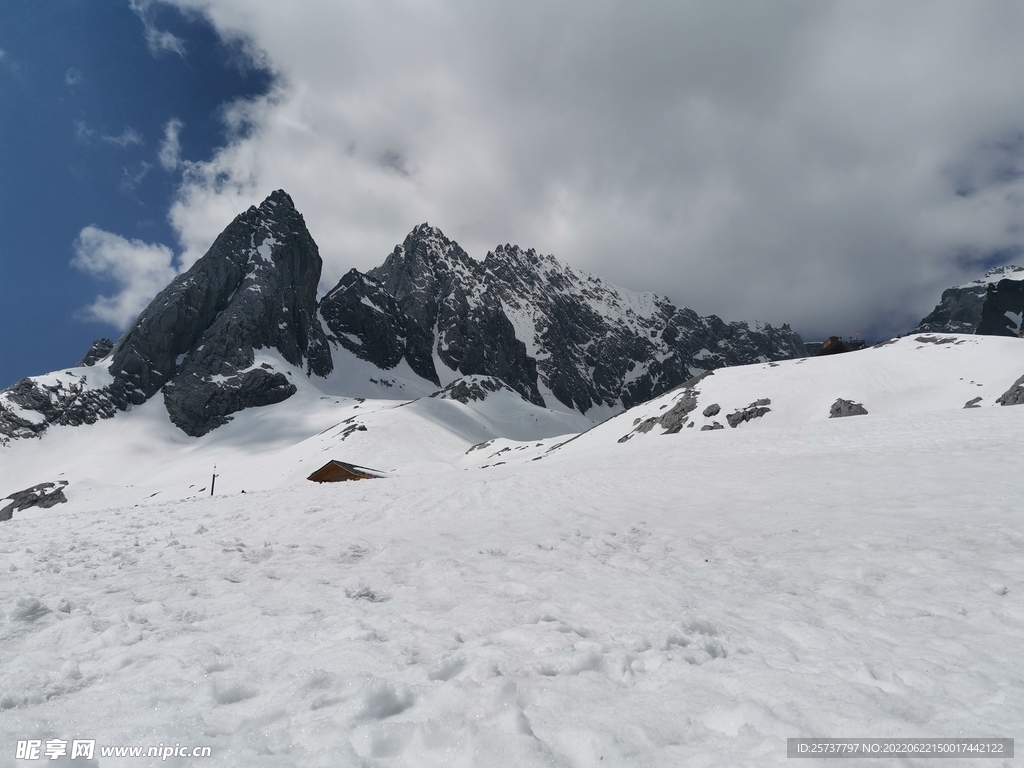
(712, 410)
(1014, 395)
(992, 305)
(44, 496)
(676, 417)
(973, 403)
(99, 349)
(470, 388)
(29, 406)
(755, 410)
(841, 408)
(712, 426)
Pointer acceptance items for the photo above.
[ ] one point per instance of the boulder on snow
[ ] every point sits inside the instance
(841, 408)
(44, 495)
(755, 410)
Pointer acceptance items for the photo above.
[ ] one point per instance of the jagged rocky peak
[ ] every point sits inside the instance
(992, 305)
(242, 325)
(255, 289)
(559, 337)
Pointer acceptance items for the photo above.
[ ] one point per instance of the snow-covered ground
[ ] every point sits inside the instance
(687, 599)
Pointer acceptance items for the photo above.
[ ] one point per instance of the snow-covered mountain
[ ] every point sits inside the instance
(990, 305)
(562, 338)
(429, 315)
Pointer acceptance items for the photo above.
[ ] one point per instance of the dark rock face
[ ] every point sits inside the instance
(841, 408)
(980, 306)
(367, 320)
(549, 332)
(44, 496)
(973, 403)
(1014, 395)
(255, 288)
(472, 388)
(99, 349)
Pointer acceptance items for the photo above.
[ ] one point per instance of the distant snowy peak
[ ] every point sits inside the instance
(992, 305)
(994, 275)
(560, 337)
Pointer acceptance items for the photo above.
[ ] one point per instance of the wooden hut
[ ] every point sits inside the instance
(338, 471)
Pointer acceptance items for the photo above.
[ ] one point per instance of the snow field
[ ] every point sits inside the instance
(664, 602)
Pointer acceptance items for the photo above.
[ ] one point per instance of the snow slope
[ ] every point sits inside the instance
(664, 602)
(913, 374)
(684, 599)
(141, 457)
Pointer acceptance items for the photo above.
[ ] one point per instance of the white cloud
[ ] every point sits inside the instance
(73, 76)
(831, 164)
(141, 270)
(129, 137)
(159, 41)
(170, 147)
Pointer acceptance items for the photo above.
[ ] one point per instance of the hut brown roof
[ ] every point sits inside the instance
(337, 471)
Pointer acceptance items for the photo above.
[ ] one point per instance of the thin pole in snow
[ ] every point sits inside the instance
(213, 481)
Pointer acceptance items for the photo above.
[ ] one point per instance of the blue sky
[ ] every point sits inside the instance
(85, 101)
(833, 164)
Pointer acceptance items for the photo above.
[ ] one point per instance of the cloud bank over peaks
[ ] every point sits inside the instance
(834, 165)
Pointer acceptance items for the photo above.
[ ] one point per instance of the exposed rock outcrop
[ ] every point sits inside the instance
(755, 410)
(473, 388)
(991, 306)
(1014, 395)
(44, 496)
(99, 349)
(841, 408)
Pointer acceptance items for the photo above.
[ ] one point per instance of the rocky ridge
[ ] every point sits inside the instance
(242, 325)
(553, 334)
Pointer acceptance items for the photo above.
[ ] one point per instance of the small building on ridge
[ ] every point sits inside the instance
(338, 471)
